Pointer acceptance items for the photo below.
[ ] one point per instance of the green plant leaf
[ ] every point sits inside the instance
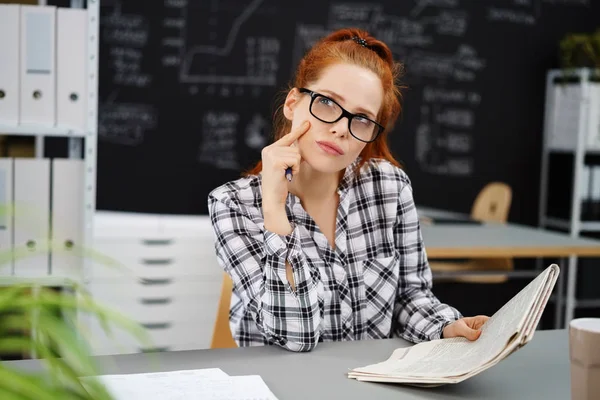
(15, 344)
(30, 386)
(8, 294)
(7, 395)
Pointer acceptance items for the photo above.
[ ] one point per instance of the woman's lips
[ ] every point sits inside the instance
(330, 148)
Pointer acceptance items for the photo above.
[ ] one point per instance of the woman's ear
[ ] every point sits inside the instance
(291, 100)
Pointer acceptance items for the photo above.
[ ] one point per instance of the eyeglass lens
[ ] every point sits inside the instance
(328, 111)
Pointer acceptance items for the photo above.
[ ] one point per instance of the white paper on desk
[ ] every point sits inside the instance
(206, 384)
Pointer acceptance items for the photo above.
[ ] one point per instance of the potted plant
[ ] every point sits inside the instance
(57, 336)
(580, 50)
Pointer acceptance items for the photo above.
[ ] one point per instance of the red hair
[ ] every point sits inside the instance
(340, 47)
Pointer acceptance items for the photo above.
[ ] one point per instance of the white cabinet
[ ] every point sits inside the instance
(167, 279)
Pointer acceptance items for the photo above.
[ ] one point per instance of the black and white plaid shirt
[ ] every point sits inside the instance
(376, 283)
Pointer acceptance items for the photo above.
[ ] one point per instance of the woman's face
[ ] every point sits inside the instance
(330, 147)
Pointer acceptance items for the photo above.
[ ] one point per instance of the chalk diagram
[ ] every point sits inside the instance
(212, 35)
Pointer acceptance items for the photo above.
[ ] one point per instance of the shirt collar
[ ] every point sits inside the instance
(348, 178)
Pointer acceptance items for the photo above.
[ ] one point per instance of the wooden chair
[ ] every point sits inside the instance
(222, 338)
(492, 204)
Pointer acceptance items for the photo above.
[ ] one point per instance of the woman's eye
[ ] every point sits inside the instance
(327, 102)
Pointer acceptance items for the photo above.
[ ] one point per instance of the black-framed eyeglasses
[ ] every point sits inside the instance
(329, 111)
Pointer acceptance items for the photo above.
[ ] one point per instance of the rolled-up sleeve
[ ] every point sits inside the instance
(255, 259)
(419, 313)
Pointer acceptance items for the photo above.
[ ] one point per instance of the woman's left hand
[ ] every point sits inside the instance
(468, 327)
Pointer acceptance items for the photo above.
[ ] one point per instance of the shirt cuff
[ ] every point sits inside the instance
(286, 246)
(444, 322)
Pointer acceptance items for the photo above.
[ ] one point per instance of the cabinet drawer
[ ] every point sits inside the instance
(168, 337)
(155, 288)
(134, 258)
(157, 247)
(163, 309)
(156, 269)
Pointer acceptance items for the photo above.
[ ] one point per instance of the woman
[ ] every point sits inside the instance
(330, 249)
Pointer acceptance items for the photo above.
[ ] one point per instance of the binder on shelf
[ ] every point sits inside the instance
(593, 142)
(67, 217)
(6, 221)
(38, 66)
(9, 64)
(71, 95)
(31, 216)
(564, 128)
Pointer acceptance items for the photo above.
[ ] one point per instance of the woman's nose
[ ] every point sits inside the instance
(340, 128)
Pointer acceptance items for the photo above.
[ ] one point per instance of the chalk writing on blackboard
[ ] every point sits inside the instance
(174, 24)
(514, 16)
(444, 136)
(219, 139)
(422, 4)
(126, 36)
(125, 123)
(364, 16)
(461, 66)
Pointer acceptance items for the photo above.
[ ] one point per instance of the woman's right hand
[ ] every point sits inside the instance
(276, 158)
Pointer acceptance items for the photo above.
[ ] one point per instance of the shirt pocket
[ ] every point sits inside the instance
(380, 276)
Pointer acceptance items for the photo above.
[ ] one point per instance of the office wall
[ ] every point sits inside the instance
(187, 91)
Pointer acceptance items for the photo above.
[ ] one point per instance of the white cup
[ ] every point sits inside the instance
(584, 352)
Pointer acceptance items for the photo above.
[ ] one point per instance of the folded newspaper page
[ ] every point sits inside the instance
(453, 360)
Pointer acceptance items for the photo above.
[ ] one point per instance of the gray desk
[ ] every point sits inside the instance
(540, 370)
(503, 240)
(509, 240)
(433, 213)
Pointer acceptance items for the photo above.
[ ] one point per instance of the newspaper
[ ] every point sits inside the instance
(453, 360)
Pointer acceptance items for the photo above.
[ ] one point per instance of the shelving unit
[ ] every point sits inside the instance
(78, 140)
(571, 141)
(82, 144)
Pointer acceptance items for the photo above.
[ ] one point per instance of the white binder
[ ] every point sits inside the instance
(6, 222)
(71, 50)
(9, 64)
(38, 66)
(31, 216)
(593, 137)
(67, 218)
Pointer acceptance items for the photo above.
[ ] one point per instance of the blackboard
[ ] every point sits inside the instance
(187, 91)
